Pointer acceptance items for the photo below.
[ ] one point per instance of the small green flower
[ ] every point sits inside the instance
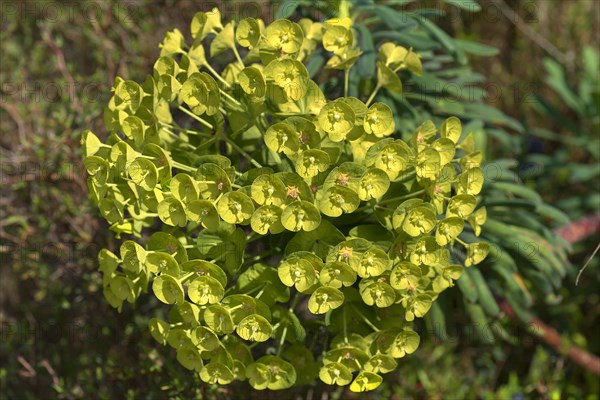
(477, 219)
(290, 77)
(379, 120)
(476, 253)
(285, 36)
(325, 298)
(335, 373)
(254, 328)
(337, 39)
(252, 82)
(247, 33)
(337, 120)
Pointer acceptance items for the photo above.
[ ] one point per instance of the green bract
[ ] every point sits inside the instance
(337, 120)
(270, 203)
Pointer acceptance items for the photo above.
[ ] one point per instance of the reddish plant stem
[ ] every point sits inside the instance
(572, 233)
(552, 338)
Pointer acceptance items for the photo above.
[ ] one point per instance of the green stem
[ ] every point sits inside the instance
(294, 302)
(228, 96)
(373, 94)
(344, 9)
(217, 199)
(258, 258)
(282, 341)
(221, 256)
(217, 75)
(366, 320)
(346, 78)
(177, 138)
(406, 176)
(144, 215)
(187, 276)
(345, 327)
(260, 293)
(251, 291)
(237, 55)
(167, 127)
(242, 152)
(408, 196)
(235, 308)
(461, 241)
(197, 118)
(183, 167)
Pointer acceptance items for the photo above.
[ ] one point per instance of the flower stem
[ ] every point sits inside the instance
(242, 152)
(183, 167)
(228, 96)
(197, 118)
(216, 74)
(282, 341)
(366, 320)
(237, 55)
(373, 94)
(345, 327)
(346, 78)
(408, 196)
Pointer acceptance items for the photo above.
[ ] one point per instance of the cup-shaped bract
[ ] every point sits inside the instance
(379, 120)
(254, 328)
(394, 159)
(267, 219)
(388, 79)
(235, 208)
(290, 80)
(268, 189)
(281, 137)
(336, 119)
(300, 215)
(172, 212)
(337, 39)
(311, 162)
(252, 82)
(448, 230)
(204, 23)
(337, 274)
(285, 36)
(298, 272)
(212, 181)
(216, 372)
(461, 205)
(336, 200)
(205, 290)
(184, 188)
(271, 372)
(335, 373)
(218, 319)
(476, 253)
(248, 32)
(203, 212)
(477, 219)
(405, 275)
(366, 381)
(381, 363)
(374, 292)
(470, 181)
(167, 289)
(325, 298)
(373, 262)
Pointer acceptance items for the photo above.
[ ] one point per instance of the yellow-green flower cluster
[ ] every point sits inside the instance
(268, 192)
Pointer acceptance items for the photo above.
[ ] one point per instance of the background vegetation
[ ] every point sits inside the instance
(59, 337)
